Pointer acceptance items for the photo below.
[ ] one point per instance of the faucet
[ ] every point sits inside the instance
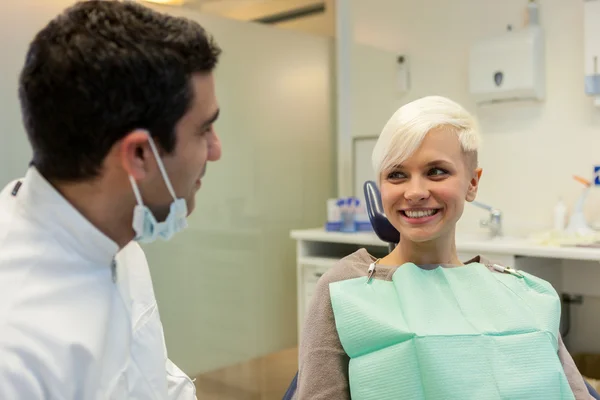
(494, 223)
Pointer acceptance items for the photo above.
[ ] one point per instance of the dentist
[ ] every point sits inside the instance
(118, 102)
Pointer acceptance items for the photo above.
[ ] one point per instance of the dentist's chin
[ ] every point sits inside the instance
(199, 180)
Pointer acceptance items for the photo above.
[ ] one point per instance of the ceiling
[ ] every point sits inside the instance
(309, 16)
(249, 9)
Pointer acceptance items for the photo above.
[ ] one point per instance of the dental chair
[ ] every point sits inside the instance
(386, 232)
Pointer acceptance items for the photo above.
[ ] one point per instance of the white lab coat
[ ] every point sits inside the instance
(76, 321)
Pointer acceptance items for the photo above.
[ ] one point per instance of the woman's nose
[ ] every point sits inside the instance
(416, 191)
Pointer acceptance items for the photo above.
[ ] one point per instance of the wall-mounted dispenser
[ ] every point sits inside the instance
(510, 66)
(591, 25)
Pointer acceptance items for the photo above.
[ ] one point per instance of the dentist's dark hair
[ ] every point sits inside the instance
(100, 70)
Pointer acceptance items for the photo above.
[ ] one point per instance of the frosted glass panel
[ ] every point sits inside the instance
(18, 24)
(227, 286)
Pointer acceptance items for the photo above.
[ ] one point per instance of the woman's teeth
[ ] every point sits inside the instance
(420, 214)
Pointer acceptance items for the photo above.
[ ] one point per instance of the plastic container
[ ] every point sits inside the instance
(333, 211)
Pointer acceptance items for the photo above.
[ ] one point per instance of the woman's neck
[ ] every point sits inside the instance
(438, 251)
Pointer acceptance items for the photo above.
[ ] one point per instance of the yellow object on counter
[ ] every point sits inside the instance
(554, 238)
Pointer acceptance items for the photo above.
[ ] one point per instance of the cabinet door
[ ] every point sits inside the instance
(312, 274)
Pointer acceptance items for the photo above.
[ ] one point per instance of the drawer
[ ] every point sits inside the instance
(311, 275)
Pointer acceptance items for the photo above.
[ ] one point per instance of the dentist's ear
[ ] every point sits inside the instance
(474, 184)
(136, 154)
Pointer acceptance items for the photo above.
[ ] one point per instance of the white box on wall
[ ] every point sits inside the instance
(508, 67)
(592, 47)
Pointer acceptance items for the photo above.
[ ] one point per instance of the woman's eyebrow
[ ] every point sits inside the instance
(438, 162)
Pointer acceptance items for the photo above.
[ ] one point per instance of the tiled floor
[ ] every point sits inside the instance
(265, 378)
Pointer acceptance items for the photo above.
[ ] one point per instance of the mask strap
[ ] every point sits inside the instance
(136, 191)
(161, 166)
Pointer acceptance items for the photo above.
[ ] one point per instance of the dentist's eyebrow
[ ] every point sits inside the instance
(211, 120)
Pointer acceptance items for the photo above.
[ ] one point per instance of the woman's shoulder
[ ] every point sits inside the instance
(352, 266)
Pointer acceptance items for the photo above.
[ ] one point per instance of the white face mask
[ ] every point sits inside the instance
(146, 228)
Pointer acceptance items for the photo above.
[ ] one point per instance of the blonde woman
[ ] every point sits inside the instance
(420, 323)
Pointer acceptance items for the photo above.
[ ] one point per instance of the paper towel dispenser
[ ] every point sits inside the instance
(508, 67)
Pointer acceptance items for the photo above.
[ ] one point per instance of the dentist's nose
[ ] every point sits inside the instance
(214, 149)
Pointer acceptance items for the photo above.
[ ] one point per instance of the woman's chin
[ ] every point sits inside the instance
(421, 239)
(420, 236)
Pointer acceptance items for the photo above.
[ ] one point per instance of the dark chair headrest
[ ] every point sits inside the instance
(381, 225)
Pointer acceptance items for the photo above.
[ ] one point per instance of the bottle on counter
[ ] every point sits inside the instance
(560, 216)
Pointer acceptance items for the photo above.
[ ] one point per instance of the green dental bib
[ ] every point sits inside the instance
(451, 333)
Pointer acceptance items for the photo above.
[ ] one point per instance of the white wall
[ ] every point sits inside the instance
(547, 143)
(234, 270)
(530, 151)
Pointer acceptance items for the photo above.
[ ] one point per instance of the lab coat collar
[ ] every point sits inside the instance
(69, 227)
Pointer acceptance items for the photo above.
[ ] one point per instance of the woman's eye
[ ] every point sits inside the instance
(396, 175)
(437, 172)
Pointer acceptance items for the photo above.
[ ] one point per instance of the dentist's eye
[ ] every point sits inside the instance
(206, 131)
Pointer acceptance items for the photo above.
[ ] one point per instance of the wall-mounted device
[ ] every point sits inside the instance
(510, 66)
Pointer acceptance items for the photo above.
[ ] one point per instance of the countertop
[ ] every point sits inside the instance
(464, 243)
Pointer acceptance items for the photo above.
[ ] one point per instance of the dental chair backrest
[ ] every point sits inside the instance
(381, 225)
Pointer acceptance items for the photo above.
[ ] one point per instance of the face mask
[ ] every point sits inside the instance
(146, 228)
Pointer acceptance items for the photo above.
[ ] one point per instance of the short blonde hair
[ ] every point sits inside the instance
(407, 128)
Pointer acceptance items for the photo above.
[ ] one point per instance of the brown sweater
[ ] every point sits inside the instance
(324, 364)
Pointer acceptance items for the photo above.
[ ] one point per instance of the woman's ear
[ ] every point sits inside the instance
(474, 184)
(135, 154)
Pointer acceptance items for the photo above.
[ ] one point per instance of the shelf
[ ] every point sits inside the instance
(321, 235)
